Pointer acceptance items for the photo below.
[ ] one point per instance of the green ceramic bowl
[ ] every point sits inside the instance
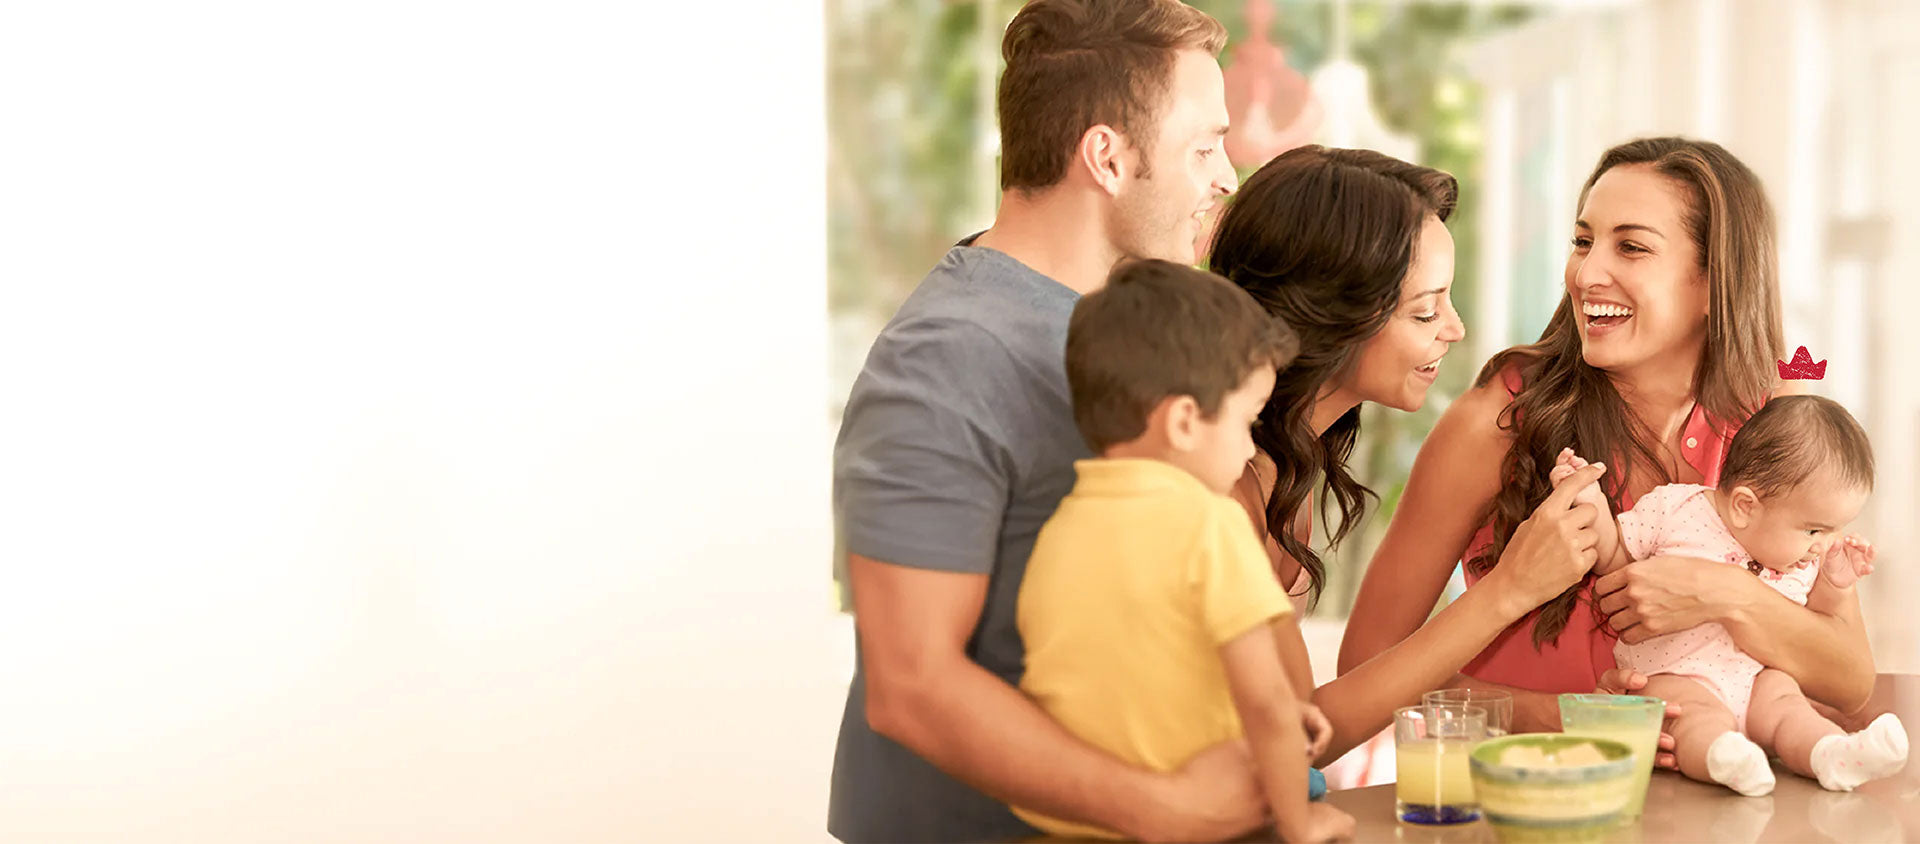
(1536, 803)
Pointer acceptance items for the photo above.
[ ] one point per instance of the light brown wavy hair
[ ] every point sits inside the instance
(1565, 402)
(1076, 64)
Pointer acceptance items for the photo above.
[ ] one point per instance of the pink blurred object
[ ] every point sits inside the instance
(1271, 106)
(1371, 763)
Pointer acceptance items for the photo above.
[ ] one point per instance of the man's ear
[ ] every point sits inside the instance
(1743, 506)
(1107, 157)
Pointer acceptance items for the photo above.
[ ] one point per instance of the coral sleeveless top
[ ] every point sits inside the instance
(1584, 650)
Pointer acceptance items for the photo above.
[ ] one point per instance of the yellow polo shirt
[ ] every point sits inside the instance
(1134, 584)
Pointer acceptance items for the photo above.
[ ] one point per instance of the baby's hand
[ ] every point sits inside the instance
(1567, 464)
(1847, 561)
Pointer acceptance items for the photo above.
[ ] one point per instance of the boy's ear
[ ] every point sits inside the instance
(1743, 506)
(1181, 416)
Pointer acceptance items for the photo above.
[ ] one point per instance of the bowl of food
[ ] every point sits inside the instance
(1552, 787)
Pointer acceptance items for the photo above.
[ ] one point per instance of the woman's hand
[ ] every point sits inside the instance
(1661, 595)
(1554, 548)
(1622, 681)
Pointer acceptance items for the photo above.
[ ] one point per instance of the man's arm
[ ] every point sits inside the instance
(923, 692)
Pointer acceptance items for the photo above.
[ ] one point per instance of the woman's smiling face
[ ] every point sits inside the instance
(1635, 276)
(1400, 361)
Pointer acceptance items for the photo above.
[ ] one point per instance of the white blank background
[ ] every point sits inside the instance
(412, 422)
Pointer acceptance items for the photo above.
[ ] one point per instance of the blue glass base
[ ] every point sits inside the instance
(1416, 813)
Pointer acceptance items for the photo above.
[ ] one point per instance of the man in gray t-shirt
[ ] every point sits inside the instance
(958, 442)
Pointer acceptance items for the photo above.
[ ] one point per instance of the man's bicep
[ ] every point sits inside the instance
(911, 619)
(919, 484)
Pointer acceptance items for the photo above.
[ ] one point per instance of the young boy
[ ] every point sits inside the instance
(1147, 605)
(1796, 475)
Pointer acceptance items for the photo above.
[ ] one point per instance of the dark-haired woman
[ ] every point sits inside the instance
(1350, 249)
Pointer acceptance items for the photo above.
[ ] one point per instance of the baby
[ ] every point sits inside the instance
(1149, 607)
(1795, 476)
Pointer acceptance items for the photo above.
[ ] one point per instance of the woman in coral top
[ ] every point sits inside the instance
(1664, 344)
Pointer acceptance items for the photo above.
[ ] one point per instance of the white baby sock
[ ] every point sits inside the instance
(1733, 760)
(1843, 763)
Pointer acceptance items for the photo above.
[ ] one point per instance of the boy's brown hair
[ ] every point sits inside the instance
(1076, 64)
(1789, 439)
(1157, 330)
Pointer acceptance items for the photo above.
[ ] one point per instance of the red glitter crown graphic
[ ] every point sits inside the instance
(1802, 367)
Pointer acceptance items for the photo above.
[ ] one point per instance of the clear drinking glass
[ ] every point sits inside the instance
(1498, 704)
(1431, 744)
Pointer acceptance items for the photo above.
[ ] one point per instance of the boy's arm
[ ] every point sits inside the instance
(1252, 498)
(1292, 648)
(1248, 617)
(1271, 714)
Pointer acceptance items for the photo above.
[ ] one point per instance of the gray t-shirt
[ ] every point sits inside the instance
(957, 444)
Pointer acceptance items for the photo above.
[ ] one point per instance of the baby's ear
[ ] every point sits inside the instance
(1743, 503)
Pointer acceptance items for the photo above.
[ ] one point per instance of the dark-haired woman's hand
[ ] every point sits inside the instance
(1554, 548)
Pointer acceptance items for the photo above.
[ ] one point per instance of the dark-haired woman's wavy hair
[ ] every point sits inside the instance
(1565, 402)
(1322, 239)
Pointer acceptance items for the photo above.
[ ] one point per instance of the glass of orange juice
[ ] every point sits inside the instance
(1430, 744)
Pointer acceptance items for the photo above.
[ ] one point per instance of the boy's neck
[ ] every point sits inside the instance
(1058, 232)
(1146, 448)
(1140, 449)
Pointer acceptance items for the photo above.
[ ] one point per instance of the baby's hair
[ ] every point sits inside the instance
(1789, 439)
(1157, 330)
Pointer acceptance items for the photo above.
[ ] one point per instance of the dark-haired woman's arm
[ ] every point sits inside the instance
(1455, 475)
(1392, 651)
(1252, 494)
(1557, 544)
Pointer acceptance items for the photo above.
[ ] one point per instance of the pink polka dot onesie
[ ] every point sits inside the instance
(1679, 519)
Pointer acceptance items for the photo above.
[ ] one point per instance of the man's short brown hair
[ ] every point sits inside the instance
(1159, 330)
(1789, 439)
(1076, 64)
